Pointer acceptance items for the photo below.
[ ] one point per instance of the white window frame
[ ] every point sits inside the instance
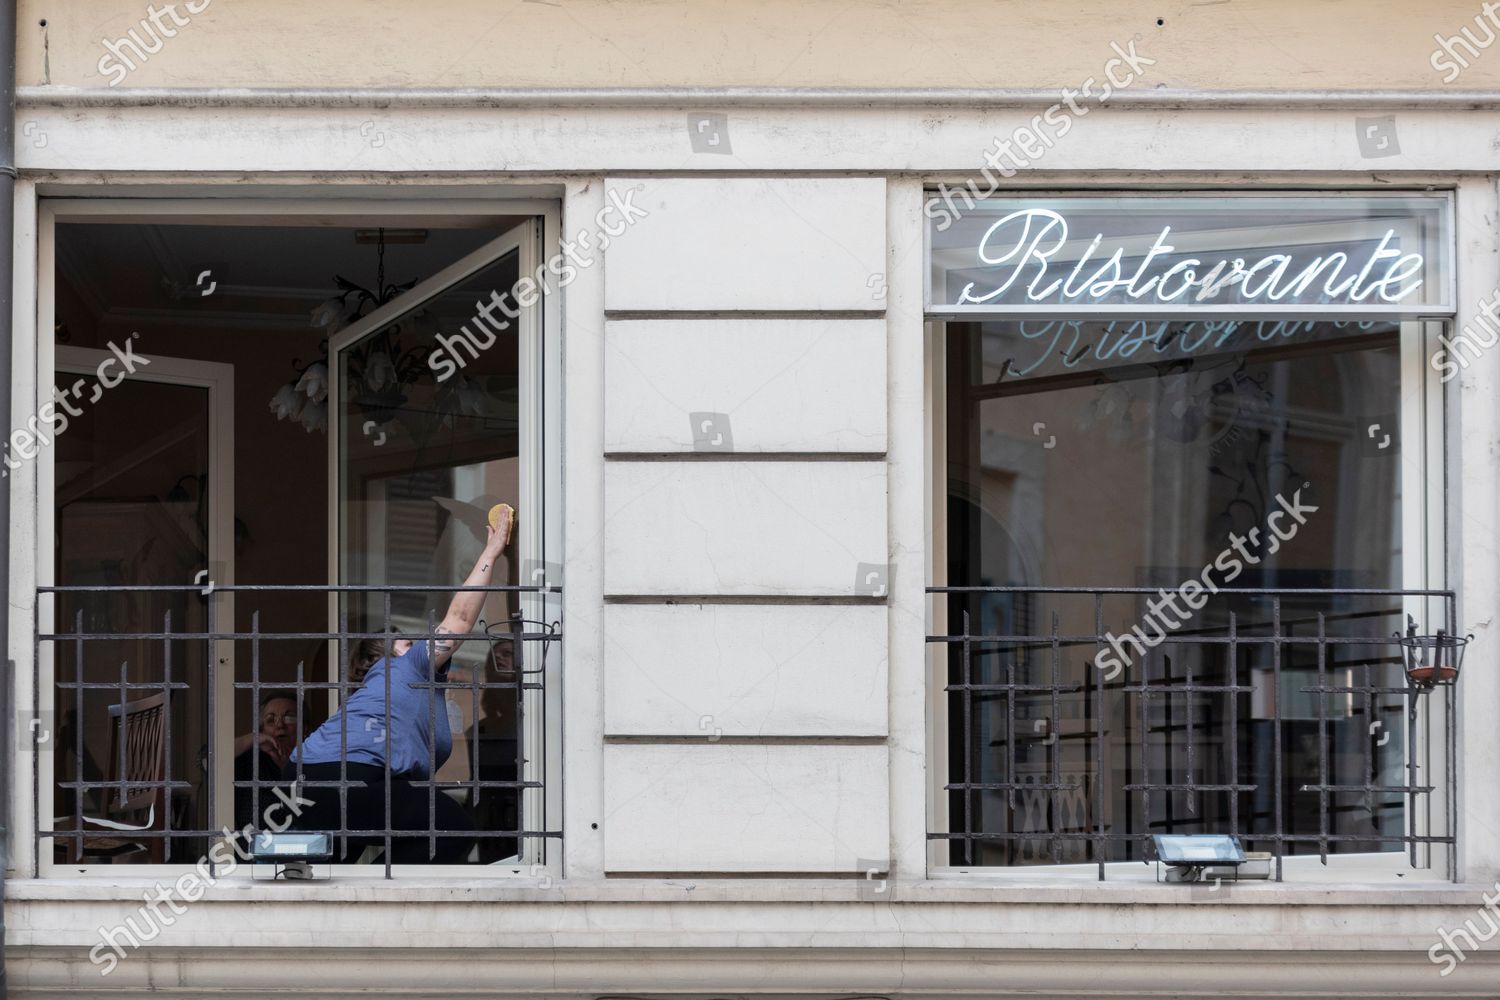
(1424, 531)
(542, 368)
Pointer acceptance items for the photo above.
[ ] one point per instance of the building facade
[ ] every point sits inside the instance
(955, 445)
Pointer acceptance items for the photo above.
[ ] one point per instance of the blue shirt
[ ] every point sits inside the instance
(414, 710)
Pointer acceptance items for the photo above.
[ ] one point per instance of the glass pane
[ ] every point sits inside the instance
(132, 508)
(1075, 462)
(240, 297)
(429, 441)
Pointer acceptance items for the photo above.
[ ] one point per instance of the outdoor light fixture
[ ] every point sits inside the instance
(1187, 856)
(1431, 659)
(293, 854)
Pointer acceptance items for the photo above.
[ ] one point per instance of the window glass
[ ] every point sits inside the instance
(425, 450)
(1117, 454)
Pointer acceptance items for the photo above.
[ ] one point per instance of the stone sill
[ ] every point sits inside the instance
(959, 973)
(943, 891)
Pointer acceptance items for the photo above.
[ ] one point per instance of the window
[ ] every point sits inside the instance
(276, 439)
(1189, 449)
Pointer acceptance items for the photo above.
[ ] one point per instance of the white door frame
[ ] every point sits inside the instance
(218, 380)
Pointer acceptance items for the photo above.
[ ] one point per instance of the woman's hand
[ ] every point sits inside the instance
(267, 744)
(272, 749)
(496, 540)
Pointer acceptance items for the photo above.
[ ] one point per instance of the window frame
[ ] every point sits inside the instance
(1424, 404)
(542, 368)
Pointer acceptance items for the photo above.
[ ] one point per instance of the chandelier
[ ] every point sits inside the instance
(379, 370)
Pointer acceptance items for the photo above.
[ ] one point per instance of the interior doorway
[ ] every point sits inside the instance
(132, 433)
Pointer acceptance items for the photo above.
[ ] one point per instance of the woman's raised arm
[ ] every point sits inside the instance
(463, 611)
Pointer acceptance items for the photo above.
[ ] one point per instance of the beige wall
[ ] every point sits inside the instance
(1243, 44)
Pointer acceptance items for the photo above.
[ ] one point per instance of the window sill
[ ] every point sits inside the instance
(954, 889)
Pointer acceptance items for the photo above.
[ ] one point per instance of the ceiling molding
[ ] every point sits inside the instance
(204, 319)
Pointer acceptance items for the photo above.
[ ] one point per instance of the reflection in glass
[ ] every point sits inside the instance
(1130, 455)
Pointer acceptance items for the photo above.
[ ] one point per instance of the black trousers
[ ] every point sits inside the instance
(365, 799)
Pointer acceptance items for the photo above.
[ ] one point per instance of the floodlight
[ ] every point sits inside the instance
(292, 853)
(1198, 850)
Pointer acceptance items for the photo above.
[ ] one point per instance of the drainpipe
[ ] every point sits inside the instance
(7, 262)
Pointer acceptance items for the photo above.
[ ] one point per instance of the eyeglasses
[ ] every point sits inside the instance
(285, 720)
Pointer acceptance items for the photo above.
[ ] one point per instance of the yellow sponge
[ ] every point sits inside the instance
(503, 513)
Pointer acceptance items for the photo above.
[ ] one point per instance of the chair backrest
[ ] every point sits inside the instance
(143, 724)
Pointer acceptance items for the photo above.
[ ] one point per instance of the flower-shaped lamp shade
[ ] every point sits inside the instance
(287, 404)
(315, 417)
(314, 382)
(380, 371)
(327, 312)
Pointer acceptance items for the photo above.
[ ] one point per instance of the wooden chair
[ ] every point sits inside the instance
(136, 809)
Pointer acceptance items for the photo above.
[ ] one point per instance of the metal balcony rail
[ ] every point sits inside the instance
(518, 681)
(1339, 648)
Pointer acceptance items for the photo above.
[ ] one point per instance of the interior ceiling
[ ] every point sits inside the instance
(261, 275)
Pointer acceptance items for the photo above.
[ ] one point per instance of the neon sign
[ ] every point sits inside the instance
(1022, 248)
(1066, 345)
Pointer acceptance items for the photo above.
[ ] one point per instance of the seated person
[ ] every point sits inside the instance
(365, 727)
(273, 741)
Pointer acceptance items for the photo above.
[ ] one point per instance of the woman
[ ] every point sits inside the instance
(374, 735)
(273, 742)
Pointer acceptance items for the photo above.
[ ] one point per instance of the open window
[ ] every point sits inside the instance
(433, 399)
(273, 431)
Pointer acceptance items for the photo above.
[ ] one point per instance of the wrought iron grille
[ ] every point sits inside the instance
(190, 663)
(1054, 760)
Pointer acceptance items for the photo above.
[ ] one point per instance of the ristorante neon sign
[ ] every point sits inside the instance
(1025, 242)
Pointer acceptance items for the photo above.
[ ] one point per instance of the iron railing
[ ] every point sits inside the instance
(1209, 706)
(192, 661)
